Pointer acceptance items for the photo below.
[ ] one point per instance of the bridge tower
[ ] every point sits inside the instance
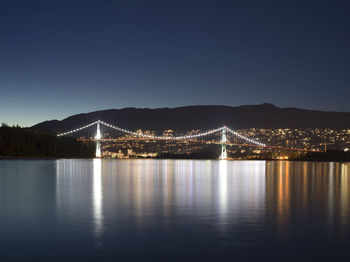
(98, 140)
(223, 144)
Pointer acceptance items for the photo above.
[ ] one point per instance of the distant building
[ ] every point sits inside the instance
(130, 153)
(168, 133)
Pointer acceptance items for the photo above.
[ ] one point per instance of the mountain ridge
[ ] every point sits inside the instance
(205, 117)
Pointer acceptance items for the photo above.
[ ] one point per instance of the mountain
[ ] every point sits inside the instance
(205, 117)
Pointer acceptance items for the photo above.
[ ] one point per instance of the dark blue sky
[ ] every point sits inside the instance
(59, 58)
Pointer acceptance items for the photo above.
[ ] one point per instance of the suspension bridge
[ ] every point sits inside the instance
(224, 131)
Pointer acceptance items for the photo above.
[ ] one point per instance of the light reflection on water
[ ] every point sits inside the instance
(97, 200)
(305, 189)
(105, 208)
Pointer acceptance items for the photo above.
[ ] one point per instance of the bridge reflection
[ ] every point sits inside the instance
(97, 200)
(79, 195)
(235, 194)
(308, 188)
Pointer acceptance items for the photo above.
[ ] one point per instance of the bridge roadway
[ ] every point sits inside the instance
(210, 142)
(184, 139)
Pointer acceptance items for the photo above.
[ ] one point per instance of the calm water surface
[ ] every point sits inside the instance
(174, 210)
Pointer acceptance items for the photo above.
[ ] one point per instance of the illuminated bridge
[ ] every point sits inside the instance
(228, 137)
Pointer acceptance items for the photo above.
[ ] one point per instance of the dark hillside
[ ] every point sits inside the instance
(205, 117)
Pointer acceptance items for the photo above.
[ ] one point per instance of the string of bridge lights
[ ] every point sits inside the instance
(78, 129)
(164, 137)
(244, 137)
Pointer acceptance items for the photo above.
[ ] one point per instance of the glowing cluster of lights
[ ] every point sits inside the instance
(78, 129)
(244, 137)
(166, 137)
(162, 137)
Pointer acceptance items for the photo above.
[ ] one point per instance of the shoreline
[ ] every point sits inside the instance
(91, 158)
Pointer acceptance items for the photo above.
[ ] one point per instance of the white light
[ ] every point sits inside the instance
(166, 138)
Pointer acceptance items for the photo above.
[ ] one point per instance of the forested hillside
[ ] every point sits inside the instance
(26, 142)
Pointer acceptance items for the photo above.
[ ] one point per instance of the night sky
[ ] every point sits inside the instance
(59, 58)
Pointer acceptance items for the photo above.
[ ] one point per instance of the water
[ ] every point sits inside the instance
(174, 210)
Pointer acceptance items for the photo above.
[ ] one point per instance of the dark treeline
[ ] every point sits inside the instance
(194, 155)
(330, 155)
(26, 142)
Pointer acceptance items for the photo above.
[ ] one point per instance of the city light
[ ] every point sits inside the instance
(137, 134)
